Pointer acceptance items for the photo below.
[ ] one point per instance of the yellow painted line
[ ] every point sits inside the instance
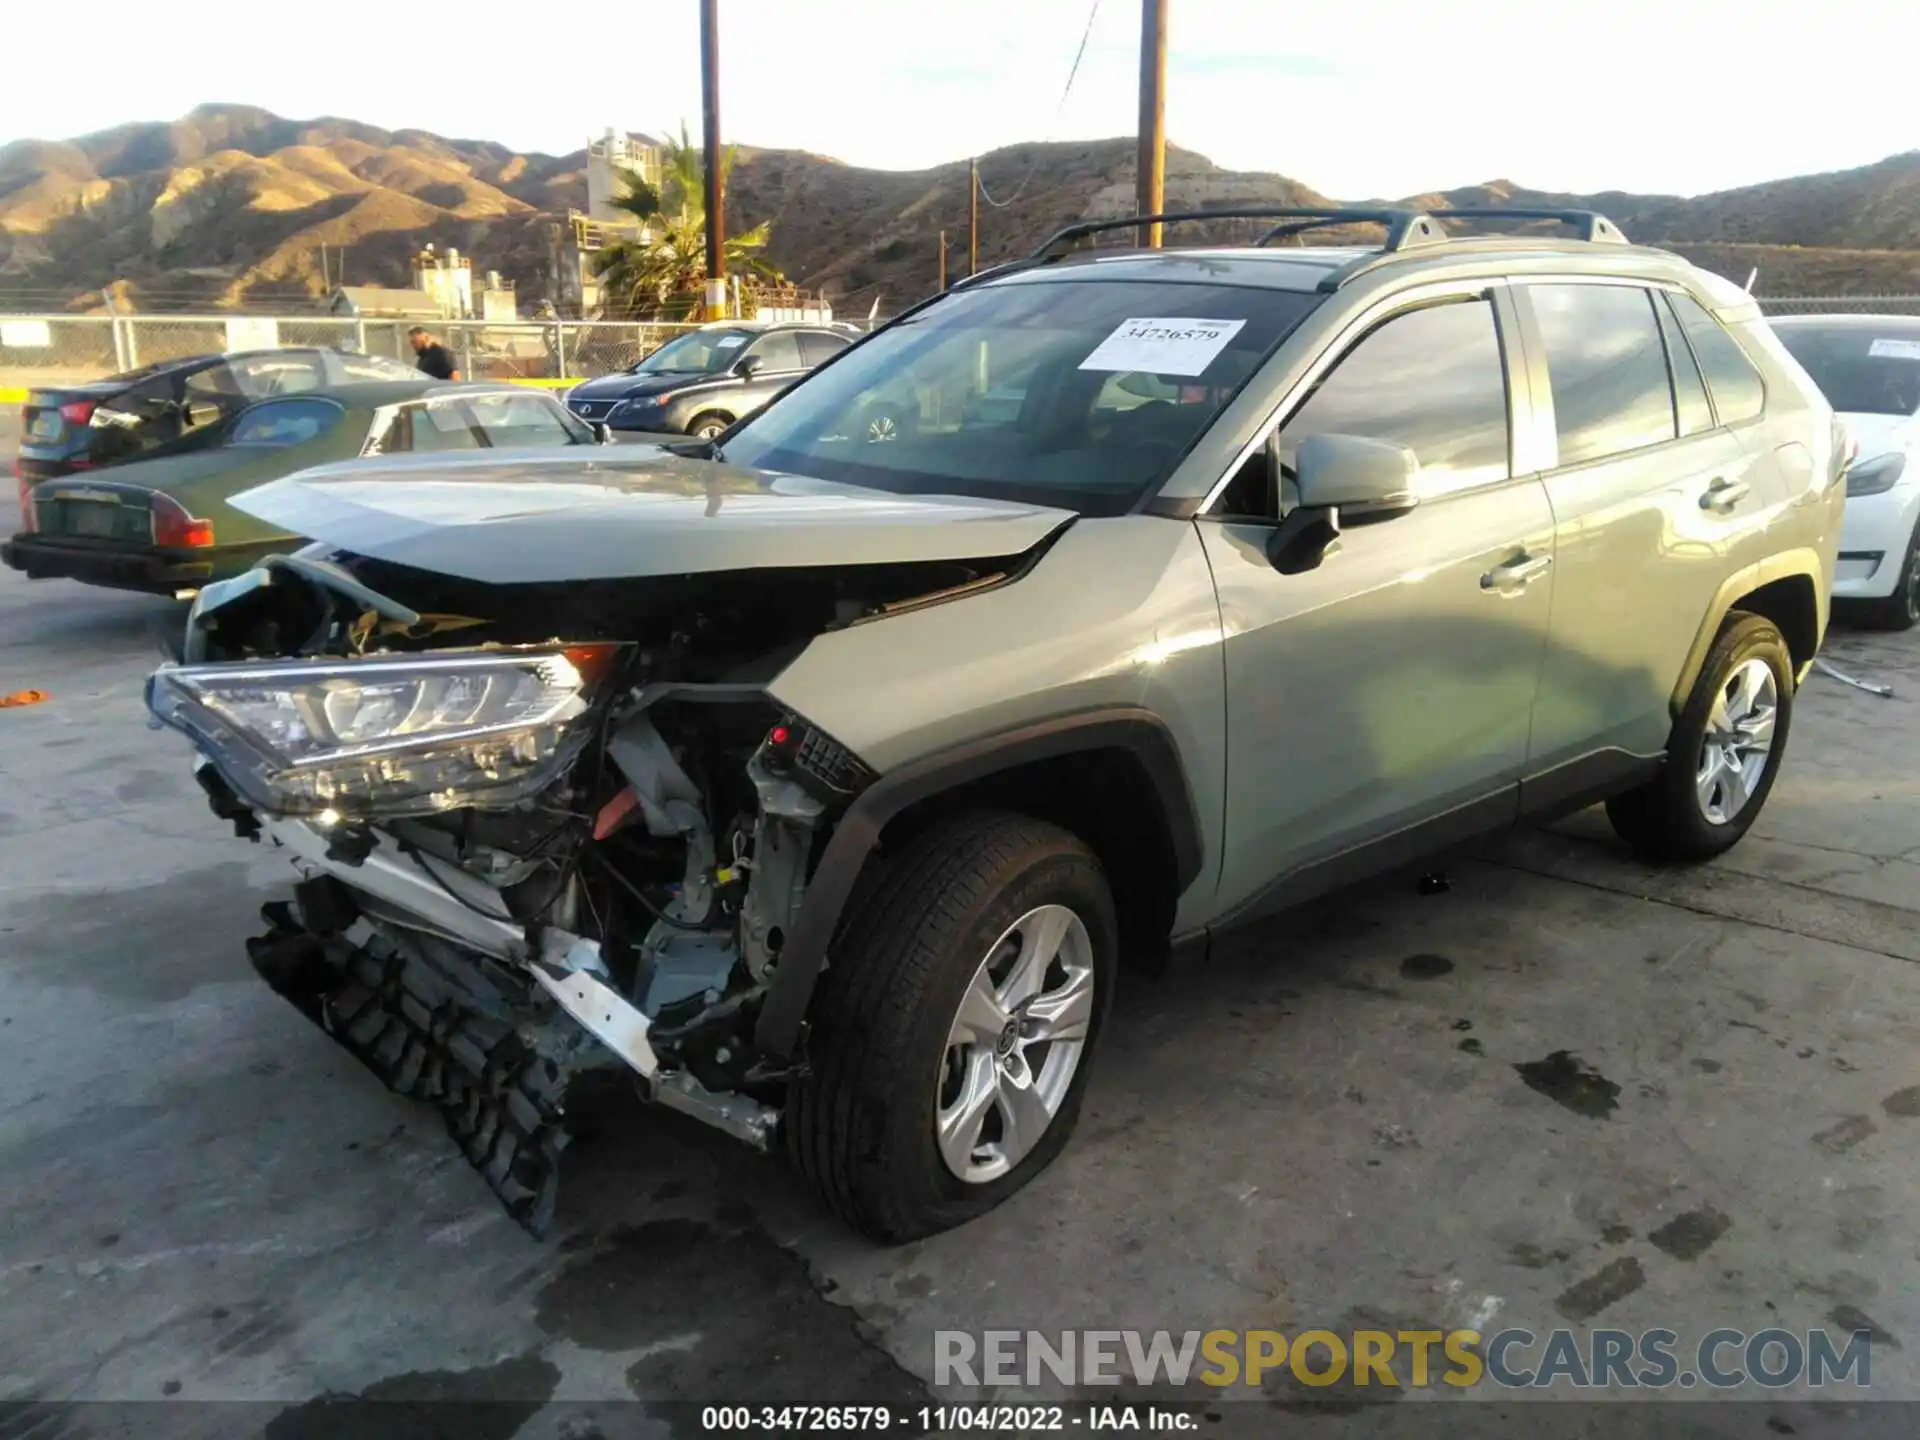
(12, 395)
(544, 384)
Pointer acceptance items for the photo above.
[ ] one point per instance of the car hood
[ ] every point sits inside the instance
(1879, 434)
(635, 387)
(529, 518)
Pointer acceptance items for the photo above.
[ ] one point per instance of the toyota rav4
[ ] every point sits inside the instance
(830, 781)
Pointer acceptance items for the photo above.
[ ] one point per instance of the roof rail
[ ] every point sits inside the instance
(1404, 227)
(1590, 224)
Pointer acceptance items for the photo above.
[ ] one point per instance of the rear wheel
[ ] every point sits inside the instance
(1723, 754)
(950, 1038)
(1901, 609)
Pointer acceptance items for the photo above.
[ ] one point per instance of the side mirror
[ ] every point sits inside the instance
(1338, 478)
(1363, 479)
(750, 366)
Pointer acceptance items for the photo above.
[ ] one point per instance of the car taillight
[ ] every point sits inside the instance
(175, 529)
(77, 412)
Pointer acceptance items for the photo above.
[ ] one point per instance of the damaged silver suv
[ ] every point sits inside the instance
(827, 777)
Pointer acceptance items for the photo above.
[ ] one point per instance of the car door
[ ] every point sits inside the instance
(1650, 495)
(780, 365)
(1379, 703)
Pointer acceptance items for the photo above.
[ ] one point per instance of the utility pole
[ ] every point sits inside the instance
(943, 261)
(1152, 169)
(973, 216)
(710, 138)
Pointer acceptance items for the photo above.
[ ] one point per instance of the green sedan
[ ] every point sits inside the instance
(163, 525)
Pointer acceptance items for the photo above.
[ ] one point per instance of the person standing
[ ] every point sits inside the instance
(432, 358)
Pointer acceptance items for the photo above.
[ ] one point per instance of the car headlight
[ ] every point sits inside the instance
(1876, 476)
(392, 735)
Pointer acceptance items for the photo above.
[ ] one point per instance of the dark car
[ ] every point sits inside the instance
(162, 523)
(701, 382)
(170, 406)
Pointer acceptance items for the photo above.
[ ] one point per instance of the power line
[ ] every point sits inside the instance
(1085, 35)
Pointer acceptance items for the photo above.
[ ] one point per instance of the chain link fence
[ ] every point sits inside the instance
(67, 349)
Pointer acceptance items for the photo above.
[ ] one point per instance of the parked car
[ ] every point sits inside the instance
(171, 406)
(1868, 366)
(701, 382)
(163, 524)
(829, 783)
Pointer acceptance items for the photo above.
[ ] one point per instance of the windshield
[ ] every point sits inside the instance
(703, 352)
(1077, 393)
(1863, 367)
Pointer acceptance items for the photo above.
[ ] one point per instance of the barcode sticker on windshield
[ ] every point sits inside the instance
(1163, 345)
(1895, 349)
(727, 342)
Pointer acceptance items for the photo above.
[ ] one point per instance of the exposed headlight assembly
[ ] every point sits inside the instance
(1876, 476)
(392, 735)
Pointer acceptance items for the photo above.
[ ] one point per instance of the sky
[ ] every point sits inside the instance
(1363, 98)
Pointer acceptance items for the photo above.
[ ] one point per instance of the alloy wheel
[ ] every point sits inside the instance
(1739, 739)
(1016, 1040)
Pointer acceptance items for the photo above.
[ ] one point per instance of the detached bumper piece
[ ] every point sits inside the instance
(440, 1033)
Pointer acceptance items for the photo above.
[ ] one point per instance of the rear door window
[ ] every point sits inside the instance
(1689, 390)
(1611, 392)
(1737, 389)
(444, 425)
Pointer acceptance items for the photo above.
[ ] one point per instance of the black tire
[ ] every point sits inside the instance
(705, 427)
(1901, 609)
(860, 1123)
(1663, 819)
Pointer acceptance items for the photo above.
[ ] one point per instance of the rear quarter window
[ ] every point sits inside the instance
(1737, 389)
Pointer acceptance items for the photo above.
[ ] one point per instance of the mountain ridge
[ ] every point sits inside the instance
(230, 204)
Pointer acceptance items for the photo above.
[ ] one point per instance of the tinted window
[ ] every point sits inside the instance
(816, 346)
(510, 420)
(1737, 390)
(443, 427)
(288, 422)
(1430, 380)
(700, 352)
(1865, 369)
(1689, 390)
(374, 367)
(1609, 370)
(262, 376)
(992, 391)
(778, 352)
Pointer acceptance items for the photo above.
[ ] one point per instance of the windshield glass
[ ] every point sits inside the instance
(1078, 393)
(1865, 367)
(703, 352)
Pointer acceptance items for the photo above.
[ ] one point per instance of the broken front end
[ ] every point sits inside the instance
(524, 857)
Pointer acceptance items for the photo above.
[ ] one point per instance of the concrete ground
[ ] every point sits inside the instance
(1567, 1091)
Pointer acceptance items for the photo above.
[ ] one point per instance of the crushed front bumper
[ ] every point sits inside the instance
(457, 1008)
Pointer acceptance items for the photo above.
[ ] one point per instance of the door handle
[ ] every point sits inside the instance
(1723, 495)
(1516, 574)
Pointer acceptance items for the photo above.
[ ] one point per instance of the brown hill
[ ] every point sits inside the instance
(230, 205)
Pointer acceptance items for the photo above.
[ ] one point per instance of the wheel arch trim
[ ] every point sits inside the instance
(1800, 564)
(1135, 730)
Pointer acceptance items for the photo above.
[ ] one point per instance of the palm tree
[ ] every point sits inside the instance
(669, 261)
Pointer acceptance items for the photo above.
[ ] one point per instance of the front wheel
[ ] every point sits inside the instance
(950, 1037)
(1723, 754)
(709, 426)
